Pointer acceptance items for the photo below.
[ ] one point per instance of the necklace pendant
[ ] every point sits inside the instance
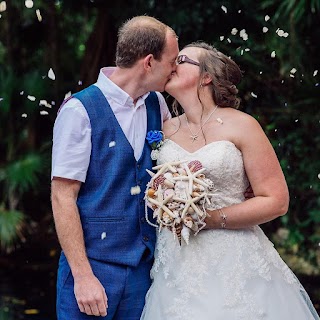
(194, 137)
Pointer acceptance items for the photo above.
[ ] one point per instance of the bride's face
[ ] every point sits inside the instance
(186, 76)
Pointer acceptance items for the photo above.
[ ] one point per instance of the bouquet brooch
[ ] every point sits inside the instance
(178, 193)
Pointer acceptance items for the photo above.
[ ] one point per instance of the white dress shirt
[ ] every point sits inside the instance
(72, 129)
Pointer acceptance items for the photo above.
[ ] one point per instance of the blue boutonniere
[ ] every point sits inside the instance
(155, 140)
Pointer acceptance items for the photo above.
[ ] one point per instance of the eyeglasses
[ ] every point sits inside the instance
(183, 58)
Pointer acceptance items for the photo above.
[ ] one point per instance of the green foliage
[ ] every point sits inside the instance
(11, 223)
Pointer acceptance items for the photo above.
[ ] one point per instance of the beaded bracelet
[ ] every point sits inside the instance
(223, 217)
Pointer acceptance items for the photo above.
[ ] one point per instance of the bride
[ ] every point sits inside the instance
(230, 270)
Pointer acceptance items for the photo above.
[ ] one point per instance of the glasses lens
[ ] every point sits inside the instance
(180, 59)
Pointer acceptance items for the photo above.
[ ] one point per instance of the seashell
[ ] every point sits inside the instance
(166, 218)
(188, 222)
(176, 174)
(201, 176)
(190, 210)
(195, 194)
(185, 234)
(176, 214)
(198, 187)
(177, 231)
(169, 176)
(168, 183)
(168, 193)
(182, 172)
(158, 181)
(151, 192)
(195, 165)
(173, 204)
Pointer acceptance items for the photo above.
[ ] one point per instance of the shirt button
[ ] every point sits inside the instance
(145, 238)
(138, 166)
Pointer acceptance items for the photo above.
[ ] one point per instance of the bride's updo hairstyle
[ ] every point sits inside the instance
(225, 74)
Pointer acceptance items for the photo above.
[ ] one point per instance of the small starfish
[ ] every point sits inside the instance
(190, 202)
(192, 177)
(161, 203)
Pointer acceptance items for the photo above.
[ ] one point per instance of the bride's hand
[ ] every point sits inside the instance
(248, 194)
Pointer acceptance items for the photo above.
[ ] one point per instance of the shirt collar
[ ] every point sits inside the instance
(111, 90)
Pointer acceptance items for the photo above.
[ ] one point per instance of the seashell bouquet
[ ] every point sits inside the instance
(178, 194)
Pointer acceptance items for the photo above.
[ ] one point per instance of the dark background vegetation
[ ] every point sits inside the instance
(75, 39)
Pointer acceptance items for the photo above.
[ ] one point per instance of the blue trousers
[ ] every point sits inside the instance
(125, 286)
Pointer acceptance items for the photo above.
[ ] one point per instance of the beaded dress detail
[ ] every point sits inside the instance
(222, 274)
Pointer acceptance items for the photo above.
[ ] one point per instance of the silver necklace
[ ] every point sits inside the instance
(195, 136)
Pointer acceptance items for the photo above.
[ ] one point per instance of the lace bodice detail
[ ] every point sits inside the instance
(223, 163)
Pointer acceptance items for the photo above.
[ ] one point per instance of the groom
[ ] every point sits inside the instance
(99, 154)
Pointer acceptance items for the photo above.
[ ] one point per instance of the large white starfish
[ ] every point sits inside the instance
(190, 202)
(192, 177)
(161, 203)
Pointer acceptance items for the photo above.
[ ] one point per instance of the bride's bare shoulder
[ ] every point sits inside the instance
(171, 126)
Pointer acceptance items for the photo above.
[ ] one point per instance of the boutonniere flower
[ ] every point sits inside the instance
(155, 140)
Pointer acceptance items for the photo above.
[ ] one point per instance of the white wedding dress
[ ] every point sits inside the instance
(222, 274)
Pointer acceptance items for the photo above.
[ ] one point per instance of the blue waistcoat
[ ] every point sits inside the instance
(113, 220)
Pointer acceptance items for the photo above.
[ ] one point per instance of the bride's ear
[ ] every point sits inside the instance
(206, 79)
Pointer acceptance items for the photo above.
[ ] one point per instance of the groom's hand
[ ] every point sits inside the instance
(91, 296)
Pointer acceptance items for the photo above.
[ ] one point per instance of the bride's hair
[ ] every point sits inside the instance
(225, 74)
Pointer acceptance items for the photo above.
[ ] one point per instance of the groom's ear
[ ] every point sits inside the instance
(147, 61)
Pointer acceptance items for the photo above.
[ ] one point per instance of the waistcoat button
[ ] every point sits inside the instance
(145, 238)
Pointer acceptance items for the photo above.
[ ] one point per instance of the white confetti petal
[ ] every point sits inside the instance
(221, 38)
(265, 29)
(31, 98)
(44, 103)
(234, 31)
(3, 6)
(135, 190)
(254, 95)
(38, 15)
(246, 49)
(21, 93)
(319, 178)
(239, 11)
(286, 34)
(79, 83)
(315, 72)
(297, 120)
(224, 9)
(67, 95)
(273, 54)
(266, 18)
(51, 74)
(43, 112)
(112, 144)
(293, 70)
(29, 4)
(260, 72)
(24, 115)
(103, 235)
(291, 75)
(229, 40)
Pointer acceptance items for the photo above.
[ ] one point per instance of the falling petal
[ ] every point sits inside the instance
(286, 34)
(21, 93)
(291, 75)
(229, 40)
(51, 74)
(319, 176)
(246, 49)
(135, 190)
(265, 29)
(3, 6)
(44, 103)
(79, 83)
(67, 95)
(254, 95)
(273, 54)
(24, 115)
(260, 72)
(315, 73)
(266, 18)
(103, 235)
(112, 144)
(43, 112)
(31, 98)
(38, 15)
(293, 70)
(224, 9)
(29, 4)
(221, 38)
(297, 120)
(234, 31)
(239, 11)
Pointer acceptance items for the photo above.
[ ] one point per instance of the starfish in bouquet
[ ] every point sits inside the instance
(168, 166)
(190, 202)
(192, 177)
(161, 202)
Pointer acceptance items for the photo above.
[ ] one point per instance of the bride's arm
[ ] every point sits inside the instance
(265, 176)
